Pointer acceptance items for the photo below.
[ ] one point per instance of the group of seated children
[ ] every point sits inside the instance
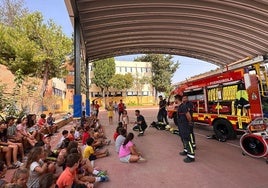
(68, 165)
(79, 149)
(124, 146)
(20, 135)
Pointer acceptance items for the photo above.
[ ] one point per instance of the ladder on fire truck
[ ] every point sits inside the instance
(259, 65)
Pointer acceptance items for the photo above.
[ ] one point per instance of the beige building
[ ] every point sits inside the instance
(138, 94)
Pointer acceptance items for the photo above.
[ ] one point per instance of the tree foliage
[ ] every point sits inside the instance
(29, 46)
(103, 71)
(3, 99)
(163, 69)
(139, 83)
(9, 101)
(35, 47)
(121, 82)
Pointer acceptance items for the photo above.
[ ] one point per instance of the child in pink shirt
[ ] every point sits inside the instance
(128, 152)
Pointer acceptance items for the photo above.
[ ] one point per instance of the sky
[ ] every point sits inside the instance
(56, 10)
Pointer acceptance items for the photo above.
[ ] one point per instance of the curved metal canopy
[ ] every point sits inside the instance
(217, 31)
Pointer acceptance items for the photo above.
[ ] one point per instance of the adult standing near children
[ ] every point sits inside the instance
(140, 122)
(190, 107)
(183, 122)
(97, 108)
(121, 108)
(92, 107)
(162, 113)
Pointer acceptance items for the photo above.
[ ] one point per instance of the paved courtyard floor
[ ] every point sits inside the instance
(218, 164)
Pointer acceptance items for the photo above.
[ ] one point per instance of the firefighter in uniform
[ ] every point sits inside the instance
(242, 101)
(162, 113)
(183, 122)
(190, 107)
(140, 123)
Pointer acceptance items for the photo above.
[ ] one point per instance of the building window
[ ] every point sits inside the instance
(97, 94)
(57, 92)
(145, 93)
(118, 94)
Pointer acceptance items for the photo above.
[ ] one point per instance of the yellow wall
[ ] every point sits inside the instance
(128, 100)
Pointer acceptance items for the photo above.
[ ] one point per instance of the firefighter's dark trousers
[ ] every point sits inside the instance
(192, 136)
(162, 116)
(188, 148)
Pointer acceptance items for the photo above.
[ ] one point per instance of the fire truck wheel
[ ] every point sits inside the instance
(223, 129)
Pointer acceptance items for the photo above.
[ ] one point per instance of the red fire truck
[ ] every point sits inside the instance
(228, 98)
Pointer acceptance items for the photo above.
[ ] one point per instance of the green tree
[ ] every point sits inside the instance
(121, 82)
(11, 103)
(139, 83)
(103, 71)
(163, 69)
(34, 47)
(3, 98)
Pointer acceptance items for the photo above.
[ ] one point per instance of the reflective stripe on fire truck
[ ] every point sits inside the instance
(233, 108)
(218, 108)
(234, 120)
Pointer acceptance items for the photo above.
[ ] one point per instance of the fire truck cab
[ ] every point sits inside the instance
(228, 98)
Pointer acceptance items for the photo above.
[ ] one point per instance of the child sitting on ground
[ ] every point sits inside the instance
(47, 181)
(120, 139)
(20, 177)
(78, 134)
(116, 133)
(92, 155)
(71, 135)
(3, 170)
(37, 166)
(65, 134)
(128, 152)
(99, 141)
(85, 171)
(85, 135)
(68, 177)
